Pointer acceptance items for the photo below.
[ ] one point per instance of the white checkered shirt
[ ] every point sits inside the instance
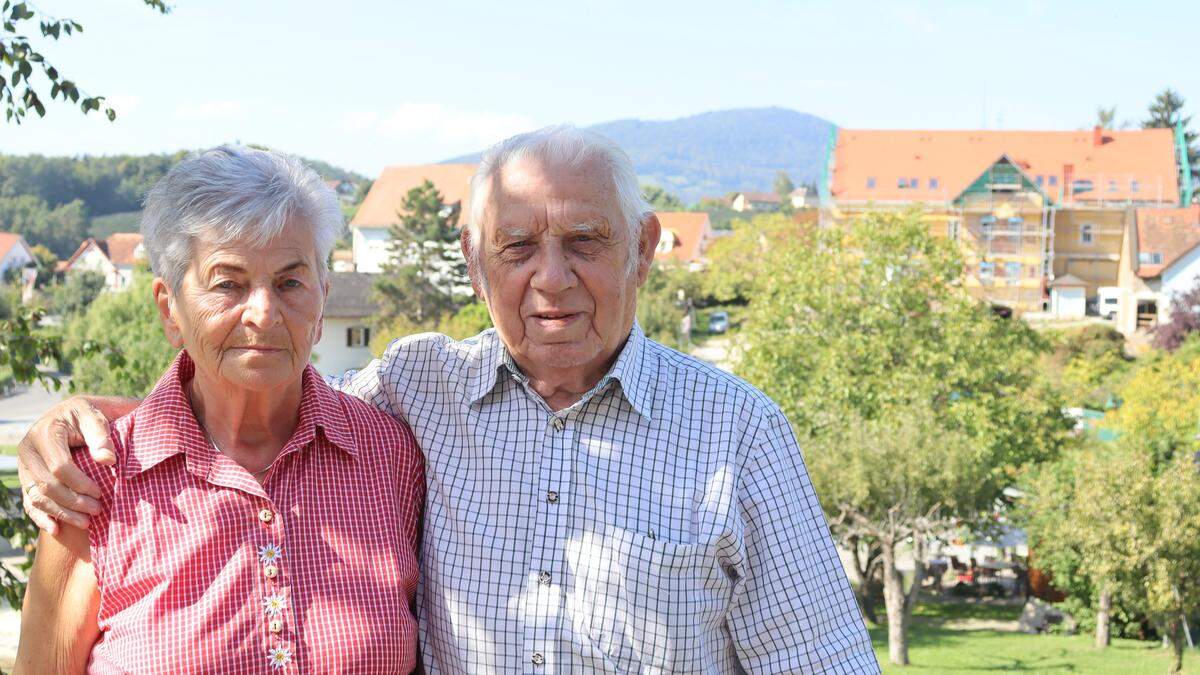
(664, 523)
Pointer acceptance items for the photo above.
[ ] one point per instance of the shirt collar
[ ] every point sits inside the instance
(164, 424)
(627, 370)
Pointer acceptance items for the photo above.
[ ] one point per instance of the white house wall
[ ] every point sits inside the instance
(1182, 276)
(16, 257)
(333, 356)
(370, 246)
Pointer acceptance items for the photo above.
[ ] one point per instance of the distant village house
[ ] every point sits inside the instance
(114, 258)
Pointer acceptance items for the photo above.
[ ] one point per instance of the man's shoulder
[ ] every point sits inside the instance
(421, 350)
(706, 383)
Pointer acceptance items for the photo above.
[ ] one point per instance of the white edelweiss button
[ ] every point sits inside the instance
(270, 554)
(274, 604)
(270, 571)
(266, 515)
(279, 657)
(276, 626)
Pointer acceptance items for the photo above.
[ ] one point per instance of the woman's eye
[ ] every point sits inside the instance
(292, 283)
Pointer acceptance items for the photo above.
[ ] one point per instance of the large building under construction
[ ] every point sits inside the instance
(1035, 212)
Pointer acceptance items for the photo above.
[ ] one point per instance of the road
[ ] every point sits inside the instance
(17, 412)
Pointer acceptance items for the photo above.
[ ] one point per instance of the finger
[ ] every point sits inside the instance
(94, 429)
(38, 516)
(66, 483)
(40, 501)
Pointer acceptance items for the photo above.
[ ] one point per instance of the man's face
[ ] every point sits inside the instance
(555, 259)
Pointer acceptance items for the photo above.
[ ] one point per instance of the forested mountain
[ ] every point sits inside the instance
(57, 201)
(711, 154)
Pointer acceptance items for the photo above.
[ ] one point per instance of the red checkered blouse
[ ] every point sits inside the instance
(202, 569)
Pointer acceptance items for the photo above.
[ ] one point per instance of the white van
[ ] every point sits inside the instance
(1108, 300)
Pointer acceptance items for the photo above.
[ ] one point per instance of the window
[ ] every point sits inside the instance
(1041, 180)
(986, 223)
(902, 183)
(1012, 271)
(1052, 180)
(952, 229)
(1087, 233)
(1150, 258)
(987, 269)
(871, 183)
(358, 336)
(914, 183)
(933, 183)
(1133, 186)
(1112, 186)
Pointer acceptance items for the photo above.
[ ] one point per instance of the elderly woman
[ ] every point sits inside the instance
(255, 519)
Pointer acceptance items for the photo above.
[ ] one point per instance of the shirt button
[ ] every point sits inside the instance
(544, 578)
(552, 497)
(559, 423)
(270, 571)
(276, 626)
(265, 515)
(538, 659)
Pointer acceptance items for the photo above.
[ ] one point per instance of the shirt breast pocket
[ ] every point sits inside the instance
(645, 602)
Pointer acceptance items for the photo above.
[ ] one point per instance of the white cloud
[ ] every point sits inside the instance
(451, 126)
(358, 120)
(209, 110)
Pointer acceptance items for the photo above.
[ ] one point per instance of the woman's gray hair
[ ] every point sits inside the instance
(233, 193)
(561, 145)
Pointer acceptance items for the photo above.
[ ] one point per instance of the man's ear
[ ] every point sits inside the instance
(473, 271)
(647, 243)
(166, 314)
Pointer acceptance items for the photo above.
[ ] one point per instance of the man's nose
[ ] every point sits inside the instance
(261, 310)
(554, 273)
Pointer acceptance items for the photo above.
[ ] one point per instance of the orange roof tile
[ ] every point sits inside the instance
(1170, 232)
(387, 193)
(121, 247)
(956, 158)
(689, 233)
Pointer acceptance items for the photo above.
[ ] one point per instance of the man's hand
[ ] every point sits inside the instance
(52, 487)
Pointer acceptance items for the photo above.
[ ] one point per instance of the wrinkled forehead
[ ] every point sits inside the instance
(534, 194)
(296, 241)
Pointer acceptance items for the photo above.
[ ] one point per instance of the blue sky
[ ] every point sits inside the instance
(364, 84)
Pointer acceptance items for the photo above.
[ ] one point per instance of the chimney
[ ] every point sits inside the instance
(1097, 135)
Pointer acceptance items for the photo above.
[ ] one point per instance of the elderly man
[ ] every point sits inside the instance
(596, 502)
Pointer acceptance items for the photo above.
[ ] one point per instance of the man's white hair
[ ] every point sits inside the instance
(561, 145)
(235, 193)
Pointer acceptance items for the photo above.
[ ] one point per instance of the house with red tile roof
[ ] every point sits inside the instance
(15, 253)
(1160, 259)
(755, 201)
(1025, 207)
(114, 257)
(380, 208)
(685, 237)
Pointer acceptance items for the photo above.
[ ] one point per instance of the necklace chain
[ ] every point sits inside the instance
(255, 474)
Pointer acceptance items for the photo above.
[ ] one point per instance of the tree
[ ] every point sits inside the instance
(75, 293)
(19, 58)
(427, 275)
(783, 188)
(59, 229)
(661, 200)
(916, 403)
(667, 296)
(1165, 113)
(1106, 117)
(128, 322)
(1183, 320)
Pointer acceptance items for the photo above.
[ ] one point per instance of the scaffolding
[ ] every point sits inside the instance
(1007, 224)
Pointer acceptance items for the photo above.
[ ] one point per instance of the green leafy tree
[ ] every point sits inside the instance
(422, 282)
(75, 293)
(668, 295)
(25, 71)
(128, 320)
(1165, 113)
(662, 200)
(917, 405)
(784, 187)
(59, 229)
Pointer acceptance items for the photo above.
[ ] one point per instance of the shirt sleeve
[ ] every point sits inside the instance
(794, 611)
(370, 383)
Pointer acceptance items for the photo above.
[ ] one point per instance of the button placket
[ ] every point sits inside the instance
(276, 601)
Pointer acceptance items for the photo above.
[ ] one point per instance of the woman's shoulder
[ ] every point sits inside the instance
(373, 429)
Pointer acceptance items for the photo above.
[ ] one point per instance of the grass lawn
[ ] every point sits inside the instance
(933, 648)
(9, 478)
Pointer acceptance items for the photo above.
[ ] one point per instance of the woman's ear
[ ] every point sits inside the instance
(166, 313)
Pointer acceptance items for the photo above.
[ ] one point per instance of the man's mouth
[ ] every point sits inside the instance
(552, 319)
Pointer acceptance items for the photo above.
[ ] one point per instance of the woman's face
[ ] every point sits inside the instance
(248, 315)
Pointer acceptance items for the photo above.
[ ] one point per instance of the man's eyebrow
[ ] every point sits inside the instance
(513, 232)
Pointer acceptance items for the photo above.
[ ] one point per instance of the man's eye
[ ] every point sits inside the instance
(516, 246)
(226, 285)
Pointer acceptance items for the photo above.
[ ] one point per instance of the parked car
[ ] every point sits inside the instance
(718, 322)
